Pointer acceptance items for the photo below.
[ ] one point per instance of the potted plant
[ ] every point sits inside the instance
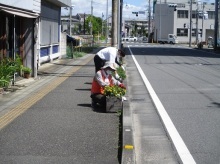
(26, 72)
(114, 98)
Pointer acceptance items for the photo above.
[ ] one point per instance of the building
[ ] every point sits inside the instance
(135, 27)
(174, 18)
(77, 23)
(31, 30)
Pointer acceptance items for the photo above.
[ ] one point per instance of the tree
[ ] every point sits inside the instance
(96, 25)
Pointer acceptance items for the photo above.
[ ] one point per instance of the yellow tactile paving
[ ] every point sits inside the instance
(26, 104)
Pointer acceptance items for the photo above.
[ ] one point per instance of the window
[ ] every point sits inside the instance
(194, 32)
(211, 14)
(182, 14)
(182, 32)
(193, 14)
(200, 14)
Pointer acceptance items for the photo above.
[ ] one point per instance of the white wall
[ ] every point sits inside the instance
(168, 20)
(31, 5)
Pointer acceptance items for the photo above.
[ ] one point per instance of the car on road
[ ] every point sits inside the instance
(125, 39)
(133, 39)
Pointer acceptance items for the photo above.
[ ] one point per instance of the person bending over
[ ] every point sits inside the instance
(108, 54)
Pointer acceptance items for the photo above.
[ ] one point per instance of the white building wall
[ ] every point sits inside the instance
(169, 18)
(31, 5)
(164, 21)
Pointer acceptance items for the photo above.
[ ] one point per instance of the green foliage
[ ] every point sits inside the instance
(26, 70)
(18, 64)
(96, 25)
(78, 54)
(78, 51)
(69, 52)
(7, 69)
(121, 73)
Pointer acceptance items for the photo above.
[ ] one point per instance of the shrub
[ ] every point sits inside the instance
(7, 69)
(26, 70)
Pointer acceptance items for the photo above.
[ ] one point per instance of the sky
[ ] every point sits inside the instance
(99, 8)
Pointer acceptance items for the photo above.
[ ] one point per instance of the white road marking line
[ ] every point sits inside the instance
(177, 140)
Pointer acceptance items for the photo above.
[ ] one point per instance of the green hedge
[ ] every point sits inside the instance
(7, 69)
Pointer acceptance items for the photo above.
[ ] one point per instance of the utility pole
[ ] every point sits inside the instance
(216, 25)
(91, 17)
(119, 24)
(190, 25)
(70, 20)
(160, 21)
(149, 21)
(106, 23)
(203, 6)
(197, 19)
(84, 24)
(114, 22)
(121, 10)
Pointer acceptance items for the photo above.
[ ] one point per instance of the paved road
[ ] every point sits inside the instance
(187, 83)
(55, 122)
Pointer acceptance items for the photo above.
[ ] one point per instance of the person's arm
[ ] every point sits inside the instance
(115, 81)
(99, 79)
(116, 61)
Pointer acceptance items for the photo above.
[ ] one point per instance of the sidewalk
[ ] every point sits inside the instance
(59, 126)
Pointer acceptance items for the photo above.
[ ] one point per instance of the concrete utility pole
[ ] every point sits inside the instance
(216, 25)
(106, 23)
(203, 6)
(149, 21)
(70, 20)
(91, 17)
(121, 10)
(190, 25)
(119, 24)
(197, 20)
(114, 22)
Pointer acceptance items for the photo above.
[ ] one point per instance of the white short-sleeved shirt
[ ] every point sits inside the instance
(108, 54)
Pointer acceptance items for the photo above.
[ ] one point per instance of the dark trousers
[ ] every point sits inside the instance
(99, 63)
(100, 99)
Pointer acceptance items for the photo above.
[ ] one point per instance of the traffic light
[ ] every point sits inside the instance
(135, 13)
(184, 25)
(173, 5)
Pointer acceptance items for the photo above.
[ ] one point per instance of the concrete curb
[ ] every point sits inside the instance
(127, 135)
(128, 155)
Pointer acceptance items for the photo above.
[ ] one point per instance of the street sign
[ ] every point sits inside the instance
(141, 12)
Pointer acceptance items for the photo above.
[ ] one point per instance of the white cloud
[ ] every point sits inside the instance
(99, 7)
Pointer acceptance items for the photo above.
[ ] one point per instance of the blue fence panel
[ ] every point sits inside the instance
(45, 51)
(55, 49)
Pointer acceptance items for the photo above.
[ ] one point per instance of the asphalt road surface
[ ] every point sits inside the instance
(187, 82)
(59, 125)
